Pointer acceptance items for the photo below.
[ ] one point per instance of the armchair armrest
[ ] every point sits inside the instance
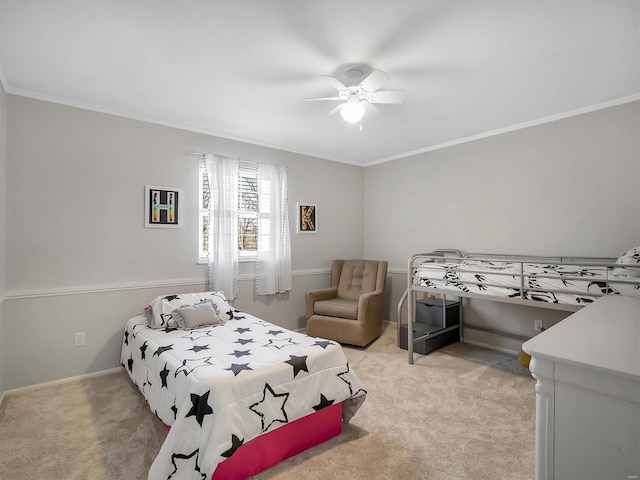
(316, 295)
(370, 307)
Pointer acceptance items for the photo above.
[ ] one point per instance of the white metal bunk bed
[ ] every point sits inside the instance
(561, 283)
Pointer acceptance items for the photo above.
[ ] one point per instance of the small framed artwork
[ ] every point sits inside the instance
(162, 207)
(307, 218)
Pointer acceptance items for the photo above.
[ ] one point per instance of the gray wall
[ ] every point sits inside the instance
(569, 187)
(80, 259)
(3, 203)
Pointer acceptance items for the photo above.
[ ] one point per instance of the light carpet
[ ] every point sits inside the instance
(461, 412)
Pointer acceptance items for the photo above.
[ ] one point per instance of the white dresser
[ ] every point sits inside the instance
(587, 369)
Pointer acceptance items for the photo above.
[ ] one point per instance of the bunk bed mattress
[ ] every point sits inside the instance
(566, 284)
(220, 387)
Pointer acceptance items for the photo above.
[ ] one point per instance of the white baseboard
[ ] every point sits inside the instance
(490, 347)
(304, 329)
(51, 383)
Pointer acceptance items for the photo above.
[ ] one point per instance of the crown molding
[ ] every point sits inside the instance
(70, 102)
(124, 114)
(532, 123)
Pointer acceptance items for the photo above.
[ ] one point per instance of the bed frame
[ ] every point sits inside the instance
(456, 256)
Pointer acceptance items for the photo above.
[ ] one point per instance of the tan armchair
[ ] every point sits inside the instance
(351, 310)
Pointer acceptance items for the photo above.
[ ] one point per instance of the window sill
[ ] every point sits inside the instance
(252, 258)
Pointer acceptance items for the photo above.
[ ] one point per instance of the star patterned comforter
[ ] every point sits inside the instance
(219, 387)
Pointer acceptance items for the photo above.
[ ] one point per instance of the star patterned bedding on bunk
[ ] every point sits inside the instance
(566, 281)
(220, 378)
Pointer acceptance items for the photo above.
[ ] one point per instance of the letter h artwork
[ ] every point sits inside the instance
(162, 207)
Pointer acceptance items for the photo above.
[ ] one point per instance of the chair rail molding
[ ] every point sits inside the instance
(123, 286)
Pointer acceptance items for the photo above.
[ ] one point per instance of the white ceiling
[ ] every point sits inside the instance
(240, 69)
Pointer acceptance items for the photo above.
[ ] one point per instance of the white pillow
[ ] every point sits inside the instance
(195, 316)
(630, 257)
(160, 310)
(220, 304)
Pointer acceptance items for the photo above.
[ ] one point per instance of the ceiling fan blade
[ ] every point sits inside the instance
(374, 81)
(322, 98)
(369, 110)
(388, 96)
(336, 110)
(334, 82)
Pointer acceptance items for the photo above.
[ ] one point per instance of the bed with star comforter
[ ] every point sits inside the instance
(218, 387)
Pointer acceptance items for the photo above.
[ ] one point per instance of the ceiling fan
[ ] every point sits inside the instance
(359, 94)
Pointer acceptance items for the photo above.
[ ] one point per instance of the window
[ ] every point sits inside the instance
(243, 211)
(247, 211)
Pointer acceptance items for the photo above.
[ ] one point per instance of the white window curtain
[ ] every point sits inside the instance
(273, 266)
(223, 231)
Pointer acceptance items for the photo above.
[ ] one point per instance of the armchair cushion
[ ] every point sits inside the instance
(337, 307)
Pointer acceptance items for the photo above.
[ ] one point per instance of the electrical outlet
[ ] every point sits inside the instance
(537, 325)
(79, 339)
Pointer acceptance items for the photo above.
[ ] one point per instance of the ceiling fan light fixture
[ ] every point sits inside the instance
(360, 94)
(352, 111)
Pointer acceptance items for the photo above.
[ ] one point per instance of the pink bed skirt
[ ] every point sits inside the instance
(278, 445)
(273, 447)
